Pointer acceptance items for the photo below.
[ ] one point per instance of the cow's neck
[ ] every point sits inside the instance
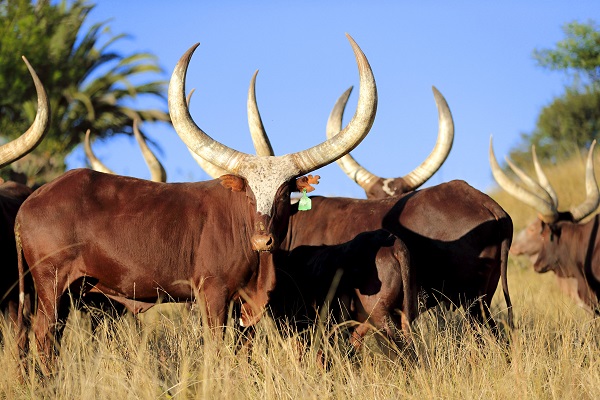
(581, 242)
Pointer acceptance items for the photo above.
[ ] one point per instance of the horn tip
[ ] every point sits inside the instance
(191, 50)
(351, 39)
(27, 63)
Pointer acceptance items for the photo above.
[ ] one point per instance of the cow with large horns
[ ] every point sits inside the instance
(558, 241)
(137, 241)
(458, 237)
(12, 195)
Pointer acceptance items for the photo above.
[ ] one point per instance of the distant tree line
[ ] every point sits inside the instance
(572, 120)
(89, 85)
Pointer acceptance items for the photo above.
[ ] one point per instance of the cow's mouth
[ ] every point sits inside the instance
(263, 242)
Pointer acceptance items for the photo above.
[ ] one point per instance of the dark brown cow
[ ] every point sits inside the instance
(458, 237)
(12, 195)
(459, 248)
(137, 241)
(557, 241)
(377, 286)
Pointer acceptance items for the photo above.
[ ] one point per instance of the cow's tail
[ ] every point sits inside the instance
(506, 242)
(21, 334)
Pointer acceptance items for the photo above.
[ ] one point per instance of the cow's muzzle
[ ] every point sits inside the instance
(263, 242)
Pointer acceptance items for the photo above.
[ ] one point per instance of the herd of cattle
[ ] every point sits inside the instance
(239, 239)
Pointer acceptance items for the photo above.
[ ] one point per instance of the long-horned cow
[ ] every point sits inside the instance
(458, 237)
(378, 288)
(137, 241)
(12, 195)
(558, 241)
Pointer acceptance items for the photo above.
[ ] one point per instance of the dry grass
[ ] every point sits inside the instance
(554, 353)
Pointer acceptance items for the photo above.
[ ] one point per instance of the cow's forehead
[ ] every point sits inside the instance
(265, 175)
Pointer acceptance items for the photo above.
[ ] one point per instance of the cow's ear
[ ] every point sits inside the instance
(233, 182)
(305, 182)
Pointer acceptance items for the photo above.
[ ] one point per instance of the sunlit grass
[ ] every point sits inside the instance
(553, 353)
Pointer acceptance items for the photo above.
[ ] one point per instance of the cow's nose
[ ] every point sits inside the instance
(263, 242)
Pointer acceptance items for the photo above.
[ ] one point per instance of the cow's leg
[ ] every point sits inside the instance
(492, 285)
(394, 332)
(52, 311)
(215, 304)
(478, 301)
(358, 334)
(44, 326)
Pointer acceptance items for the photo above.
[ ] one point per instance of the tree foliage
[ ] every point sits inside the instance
(571, 121)
(578, 54)
(90, 86)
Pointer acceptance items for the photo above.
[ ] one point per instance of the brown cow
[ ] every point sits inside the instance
(557, 241)
(458, 237)
(377, 286)
(12, 195)
(137, 241)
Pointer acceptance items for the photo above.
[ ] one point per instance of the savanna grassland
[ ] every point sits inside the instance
(553, 353)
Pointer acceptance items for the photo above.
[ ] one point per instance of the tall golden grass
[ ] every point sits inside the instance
(553, 353)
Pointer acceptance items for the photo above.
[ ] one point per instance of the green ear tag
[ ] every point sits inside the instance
(304, 204)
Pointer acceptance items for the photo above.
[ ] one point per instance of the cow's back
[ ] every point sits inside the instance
(454, 232)
(101, 215)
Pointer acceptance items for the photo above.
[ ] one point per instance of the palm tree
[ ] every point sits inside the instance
(90, 86)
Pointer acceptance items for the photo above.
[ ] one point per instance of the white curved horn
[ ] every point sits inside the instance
(95, 163)
(261, 142)
(547, 210)
(19, 147)
(592, 198)
(157, 171)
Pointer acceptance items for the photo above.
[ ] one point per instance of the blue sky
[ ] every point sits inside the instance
(478, 54)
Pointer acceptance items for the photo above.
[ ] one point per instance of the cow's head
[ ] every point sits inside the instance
(528, 241)
(377, 187)
(268, 228)
(540, 240)
(268, 180)
(548, 256)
